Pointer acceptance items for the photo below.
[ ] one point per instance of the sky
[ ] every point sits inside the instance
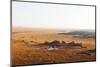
(52, 16)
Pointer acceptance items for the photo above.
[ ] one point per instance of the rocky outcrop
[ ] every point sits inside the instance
(56, 43)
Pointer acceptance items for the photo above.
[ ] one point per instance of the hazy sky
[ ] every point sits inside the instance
(54, 16)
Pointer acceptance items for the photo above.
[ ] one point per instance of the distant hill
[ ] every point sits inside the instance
(81, 33)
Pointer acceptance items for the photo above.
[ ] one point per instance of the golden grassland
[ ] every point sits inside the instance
(24, 54)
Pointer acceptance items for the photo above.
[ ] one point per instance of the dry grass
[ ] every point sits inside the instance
(23, 54)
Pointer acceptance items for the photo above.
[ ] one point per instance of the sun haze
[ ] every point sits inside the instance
(53, 16)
